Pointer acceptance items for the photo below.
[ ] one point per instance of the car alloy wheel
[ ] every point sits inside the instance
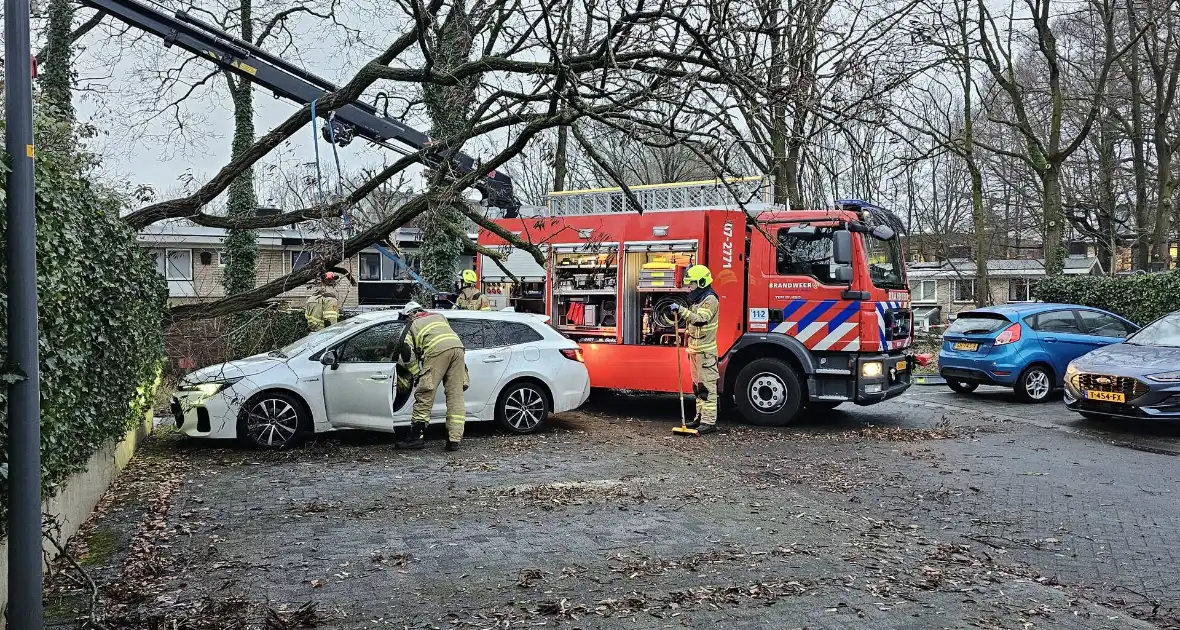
(1035, 384)
(271, 421)
(522, 408)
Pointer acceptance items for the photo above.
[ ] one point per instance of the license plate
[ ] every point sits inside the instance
(963, 345)
(1115, 397)
(901, 365)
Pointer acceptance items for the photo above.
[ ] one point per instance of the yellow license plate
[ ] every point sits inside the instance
(1115, 397)
(963, 345)
(901, 365)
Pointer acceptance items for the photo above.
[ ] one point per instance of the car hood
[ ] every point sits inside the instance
(241, 368)
(1128, 359)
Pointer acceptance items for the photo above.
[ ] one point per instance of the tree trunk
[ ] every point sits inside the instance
(448, 108)
(1107, 165)
(241, 246)
(1165, 186)
(1054, 220)
(561, 159)
(1143, 230)
(57, 76)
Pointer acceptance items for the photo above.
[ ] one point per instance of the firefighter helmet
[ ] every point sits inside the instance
(411, 306)
(469, 277)
(329, 277)
(699, 276)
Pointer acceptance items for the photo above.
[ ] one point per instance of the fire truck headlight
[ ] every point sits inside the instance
(871, 369)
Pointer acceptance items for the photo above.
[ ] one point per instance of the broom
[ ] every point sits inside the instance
(683, 428)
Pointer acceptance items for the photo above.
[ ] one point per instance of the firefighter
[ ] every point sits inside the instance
(470, 299)
(323, 308)
(701, 318)
(434, 355)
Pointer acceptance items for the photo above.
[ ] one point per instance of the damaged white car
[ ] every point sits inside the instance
(343, 377)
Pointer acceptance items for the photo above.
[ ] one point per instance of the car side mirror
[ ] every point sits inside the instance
(842, 247)
(844, 274)
(330, 359)
(884, 233)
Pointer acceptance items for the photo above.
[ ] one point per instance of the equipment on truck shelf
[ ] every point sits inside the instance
(814, 307)
(293, 83)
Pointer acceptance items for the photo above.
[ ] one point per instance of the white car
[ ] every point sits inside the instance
(342, 377)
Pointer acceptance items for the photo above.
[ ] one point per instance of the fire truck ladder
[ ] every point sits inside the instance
(295, 84)
(678, 196)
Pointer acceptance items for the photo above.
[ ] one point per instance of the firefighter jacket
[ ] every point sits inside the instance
(322, 309)
(430, 335)
(470, 299)
(701, 317)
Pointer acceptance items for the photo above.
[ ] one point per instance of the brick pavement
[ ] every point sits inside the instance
(607, 521)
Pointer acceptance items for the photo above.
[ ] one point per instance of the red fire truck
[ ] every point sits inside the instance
(815, 309)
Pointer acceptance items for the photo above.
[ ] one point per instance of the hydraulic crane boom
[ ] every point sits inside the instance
(293, 83)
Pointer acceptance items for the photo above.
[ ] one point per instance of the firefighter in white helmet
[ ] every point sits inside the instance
(470, 299)
(701, 318)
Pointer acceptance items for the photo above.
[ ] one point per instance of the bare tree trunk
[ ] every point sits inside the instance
(1054, 219)
(1107, 165)
(1164, 189)
(561, 159)
(1143, 229)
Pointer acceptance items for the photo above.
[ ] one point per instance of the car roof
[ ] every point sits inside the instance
(1022, 309)
(515, 316)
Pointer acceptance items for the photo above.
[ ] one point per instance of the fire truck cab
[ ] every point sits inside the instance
(815, 309)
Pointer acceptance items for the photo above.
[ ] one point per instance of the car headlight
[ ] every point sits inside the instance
(1166, 377)
(1070, 370)
(872, 369)
(209, 388)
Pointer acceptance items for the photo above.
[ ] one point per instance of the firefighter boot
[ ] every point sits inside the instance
(706, 429)
(698, 390)
(452, 446)
(416, 439)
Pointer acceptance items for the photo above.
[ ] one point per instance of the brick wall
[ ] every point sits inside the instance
(272, 263)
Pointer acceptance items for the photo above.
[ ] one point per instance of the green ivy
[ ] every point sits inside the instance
(101, 305)
(1140, 298)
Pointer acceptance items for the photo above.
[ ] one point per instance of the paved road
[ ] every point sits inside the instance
(929, 511)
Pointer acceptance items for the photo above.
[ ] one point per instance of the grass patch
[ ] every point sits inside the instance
(100, 546)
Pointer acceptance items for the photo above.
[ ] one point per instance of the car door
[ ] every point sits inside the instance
(359, 390)
(522, 344)
(1061, 335)
(1104, 327)
(487, 363)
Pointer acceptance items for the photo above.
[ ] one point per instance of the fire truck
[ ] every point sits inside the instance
(815, 309)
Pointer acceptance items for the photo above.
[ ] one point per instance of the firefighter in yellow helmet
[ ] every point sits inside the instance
(434, 355)
(470, 299)
(323, 307)
(701, 319)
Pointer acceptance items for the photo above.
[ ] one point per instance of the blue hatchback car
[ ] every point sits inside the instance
(1024, 346)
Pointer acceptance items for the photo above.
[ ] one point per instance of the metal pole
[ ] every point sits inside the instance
(24, 405)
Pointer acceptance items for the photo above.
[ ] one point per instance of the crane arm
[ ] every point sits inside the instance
(295, 84)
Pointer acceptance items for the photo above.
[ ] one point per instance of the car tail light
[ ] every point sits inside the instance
(1010, 334)
(573, 354)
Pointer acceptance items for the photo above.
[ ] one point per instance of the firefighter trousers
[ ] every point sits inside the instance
(704, 385)
(448, 369)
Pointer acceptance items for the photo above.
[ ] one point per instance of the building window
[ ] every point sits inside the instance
(924, 291)
(180, 264)
(370, 267)
(964, 290)
(300, 260)
(1021, 290)
(221, 257)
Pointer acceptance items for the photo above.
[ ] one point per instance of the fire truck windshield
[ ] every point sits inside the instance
(885, 263)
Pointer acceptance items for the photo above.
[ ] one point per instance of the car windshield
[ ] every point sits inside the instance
(885, 262)
(315, 338)
(1164, 331)
(977, 323)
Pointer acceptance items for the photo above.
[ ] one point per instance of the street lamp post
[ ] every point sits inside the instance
(24, 404)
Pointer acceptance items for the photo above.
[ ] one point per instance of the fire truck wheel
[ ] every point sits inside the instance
(769, 393)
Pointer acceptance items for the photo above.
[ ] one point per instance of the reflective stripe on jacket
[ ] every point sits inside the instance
(702, 325)
(470, 299)
(430, 335)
